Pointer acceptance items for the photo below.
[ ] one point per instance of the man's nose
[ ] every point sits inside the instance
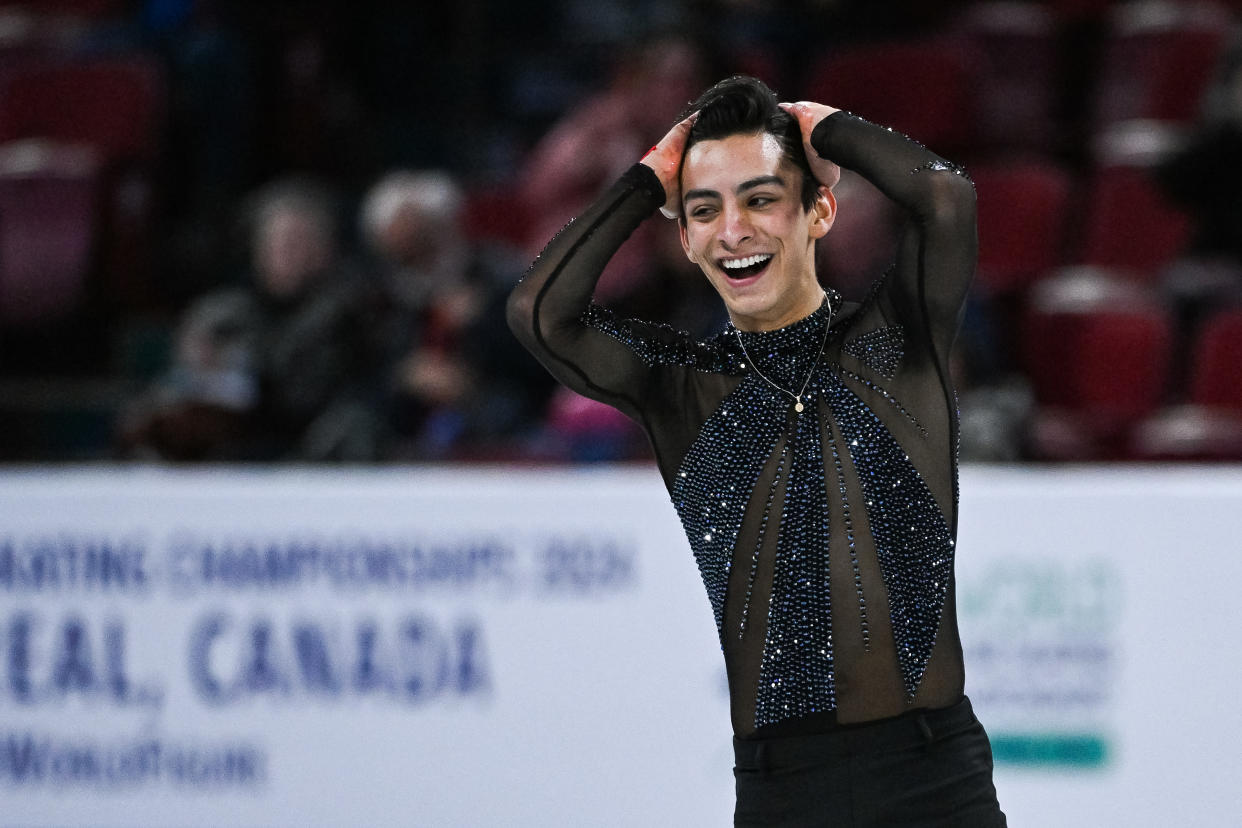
(736, 230)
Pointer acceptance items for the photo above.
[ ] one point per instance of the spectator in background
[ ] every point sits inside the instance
(648, 277)
(454, 383)
(597, 140)
(275, 369)
(584, 151)
(674, 293)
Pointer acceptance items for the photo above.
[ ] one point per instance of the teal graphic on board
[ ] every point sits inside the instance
(1042, 654)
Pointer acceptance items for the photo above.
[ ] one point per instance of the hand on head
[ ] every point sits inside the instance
(665, 160)
(809, 114)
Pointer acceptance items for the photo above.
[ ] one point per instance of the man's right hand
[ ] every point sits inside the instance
(665, 160)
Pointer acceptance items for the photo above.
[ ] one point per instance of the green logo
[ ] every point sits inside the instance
(1042, 657)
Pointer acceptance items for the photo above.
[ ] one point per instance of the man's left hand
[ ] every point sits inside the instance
(808, 115)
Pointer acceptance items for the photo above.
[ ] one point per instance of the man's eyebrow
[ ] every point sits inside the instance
(760, 181)
(693, 194)
(748, 184)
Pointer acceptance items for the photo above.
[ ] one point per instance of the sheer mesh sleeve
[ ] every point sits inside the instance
(551, 311)
(938, 246)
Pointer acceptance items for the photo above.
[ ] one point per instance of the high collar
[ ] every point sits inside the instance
(787, 355)
(796, 336)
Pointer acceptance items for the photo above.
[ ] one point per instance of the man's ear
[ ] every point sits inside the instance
(823, 212)
(685, 242)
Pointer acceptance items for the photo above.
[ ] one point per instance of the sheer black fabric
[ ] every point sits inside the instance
(825, 538)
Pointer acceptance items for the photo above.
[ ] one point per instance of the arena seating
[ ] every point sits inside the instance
(1096, 348)
(1023, 221)
(48, 227)
(921, 88)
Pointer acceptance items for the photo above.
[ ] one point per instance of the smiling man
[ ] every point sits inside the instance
(750, 221)
(809, 449)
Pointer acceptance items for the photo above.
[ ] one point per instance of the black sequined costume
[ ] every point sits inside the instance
(824, 538)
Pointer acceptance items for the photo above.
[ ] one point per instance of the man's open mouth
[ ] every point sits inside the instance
(747, 267)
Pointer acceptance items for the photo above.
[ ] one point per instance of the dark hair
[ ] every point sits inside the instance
(743, 105)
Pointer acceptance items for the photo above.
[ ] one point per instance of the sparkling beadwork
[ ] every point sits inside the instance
(763, 528)
(940, 165)
(754, 426)
(657, 344)
(912, 540)
(799, 612)
(741, 462)
(733, 447)
(879, 389)
(880, 350)
(849, 535)
(729, 453)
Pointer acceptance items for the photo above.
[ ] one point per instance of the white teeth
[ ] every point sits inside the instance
(734, 264)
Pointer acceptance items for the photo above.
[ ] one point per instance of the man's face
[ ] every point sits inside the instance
(291, 249)
(744, 225)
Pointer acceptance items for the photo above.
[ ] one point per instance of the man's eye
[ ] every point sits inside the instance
(701, 212)
(761, 201)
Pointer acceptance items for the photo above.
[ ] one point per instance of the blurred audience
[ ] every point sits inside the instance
(276, 369)
(597, 140)
(453, 381)
(388, 341)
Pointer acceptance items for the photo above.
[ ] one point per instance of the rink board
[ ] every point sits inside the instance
(503, 646)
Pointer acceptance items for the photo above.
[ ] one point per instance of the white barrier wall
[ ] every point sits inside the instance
(444, 647)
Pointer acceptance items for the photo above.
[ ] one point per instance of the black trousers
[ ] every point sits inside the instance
(924, 768)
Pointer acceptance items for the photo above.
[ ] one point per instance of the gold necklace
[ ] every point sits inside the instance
(797, 398)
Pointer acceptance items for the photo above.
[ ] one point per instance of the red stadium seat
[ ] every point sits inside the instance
(1014, 84)
(1129, 224)
(69, 8)
(117, 106)
(1189, 433)
(48, 217)
(1022, 216)
(113, 104)
(1216, 371)
(1159, 58)
(1097, 351)
(1094, 342)
(1065, 435)
(919, 88)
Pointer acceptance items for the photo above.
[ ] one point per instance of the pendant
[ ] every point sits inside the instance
(798, 405)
